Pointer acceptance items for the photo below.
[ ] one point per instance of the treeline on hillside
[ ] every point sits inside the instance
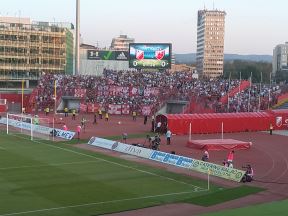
(246, 68)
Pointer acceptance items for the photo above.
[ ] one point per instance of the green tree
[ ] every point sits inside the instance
(246, 68)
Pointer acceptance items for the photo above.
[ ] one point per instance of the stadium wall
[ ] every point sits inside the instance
(95, 67)
(14, 101)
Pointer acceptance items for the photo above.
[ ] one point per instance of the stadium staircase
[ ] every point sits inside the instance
(32, 101)
(282, 102)
(200, 105)
(244, 85)
(197, 105)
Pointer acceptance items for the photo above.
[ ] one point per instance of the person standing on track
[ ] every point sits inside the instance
(271, 129)
(168, 137)
(230, 158)
(100, 113)
(153, 124)
(78, 130)
(106, 116)
(95, 118)
(73, 114)
(66, 111)
(145, 119)
(158, 127)
(134, 114)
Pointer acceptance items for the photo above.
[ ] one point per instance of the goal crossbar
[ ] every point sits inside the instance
(32, 126)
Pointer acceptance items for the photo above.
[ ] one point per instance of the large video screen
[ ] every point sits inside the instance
(150, 55)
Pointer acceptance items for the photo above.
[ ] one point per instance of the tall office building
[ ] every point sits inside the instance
(29, 49)
(210, 43)
(121, 42)
(280, 58)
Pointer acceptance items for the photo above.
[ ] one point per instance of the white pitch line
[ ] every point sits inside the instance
(118, 164)
(47, 165)
(99, 203)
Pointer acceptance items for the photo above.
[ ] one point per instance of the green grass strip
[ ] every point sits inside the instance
(265, 209)
(224, 195)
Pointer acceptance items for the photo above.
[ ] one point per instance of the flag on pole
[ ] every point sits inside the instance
(238, 107)
(249, 98)
(259, 104)
(228, 104)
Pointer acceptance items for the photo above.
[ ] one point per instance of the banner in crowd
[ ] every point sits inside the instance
(89, 107)
(117, 109)
(133, 91)
(114, 109)
(148, 92)
(125, 91)
(93, 107)
(146, 110)
(125, 109)
(80, 93)
(38, 128)
(171, 159)
(83, 107)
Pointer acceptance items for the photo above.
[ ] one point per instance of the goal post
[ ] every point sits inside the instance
(32, 126)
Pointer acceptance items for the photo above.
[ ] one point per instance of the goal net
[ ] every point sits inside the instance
(33, 126)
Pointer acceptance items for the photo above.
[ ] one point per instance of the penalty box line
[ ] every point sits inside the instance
(101, 203)
(115, 163)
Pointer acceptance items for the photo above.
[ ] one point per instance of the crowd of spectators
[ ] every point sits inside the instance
(255, 98)
(172, 86)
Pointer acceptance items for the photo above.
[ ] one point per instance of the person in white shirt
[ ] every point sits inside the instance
(158, 127)
(168, 137)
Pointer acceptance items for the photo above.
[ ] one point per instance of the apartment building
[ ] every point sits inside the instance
(210, 43)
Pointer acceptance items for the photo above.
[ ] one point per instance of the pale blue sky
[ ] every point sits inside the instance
(252, 26)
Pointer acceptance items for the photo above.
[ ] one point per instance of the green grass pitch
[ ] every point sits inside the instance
(44, 178)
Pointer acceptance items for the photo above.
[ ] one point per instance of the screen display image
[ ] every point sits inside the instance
(150, 55)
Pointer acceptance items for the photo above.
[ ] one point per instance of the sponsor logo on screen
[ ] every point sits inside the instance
(121, 56)
(107, 55)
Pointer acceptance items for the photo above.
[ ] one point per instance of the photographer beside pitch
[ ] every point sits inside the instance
(248, 176)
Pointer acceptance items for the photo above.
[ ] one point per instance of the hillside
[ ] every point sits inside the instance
(190, 58)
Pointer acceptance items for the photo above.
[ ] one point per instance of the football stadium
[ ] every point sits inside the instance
(125, 132)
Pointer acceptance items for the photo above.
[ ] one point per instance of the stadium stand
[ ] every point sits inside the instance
(138, 89)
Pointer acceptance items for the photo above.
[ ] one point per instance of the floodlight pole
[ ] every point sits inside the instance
(77, 45)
